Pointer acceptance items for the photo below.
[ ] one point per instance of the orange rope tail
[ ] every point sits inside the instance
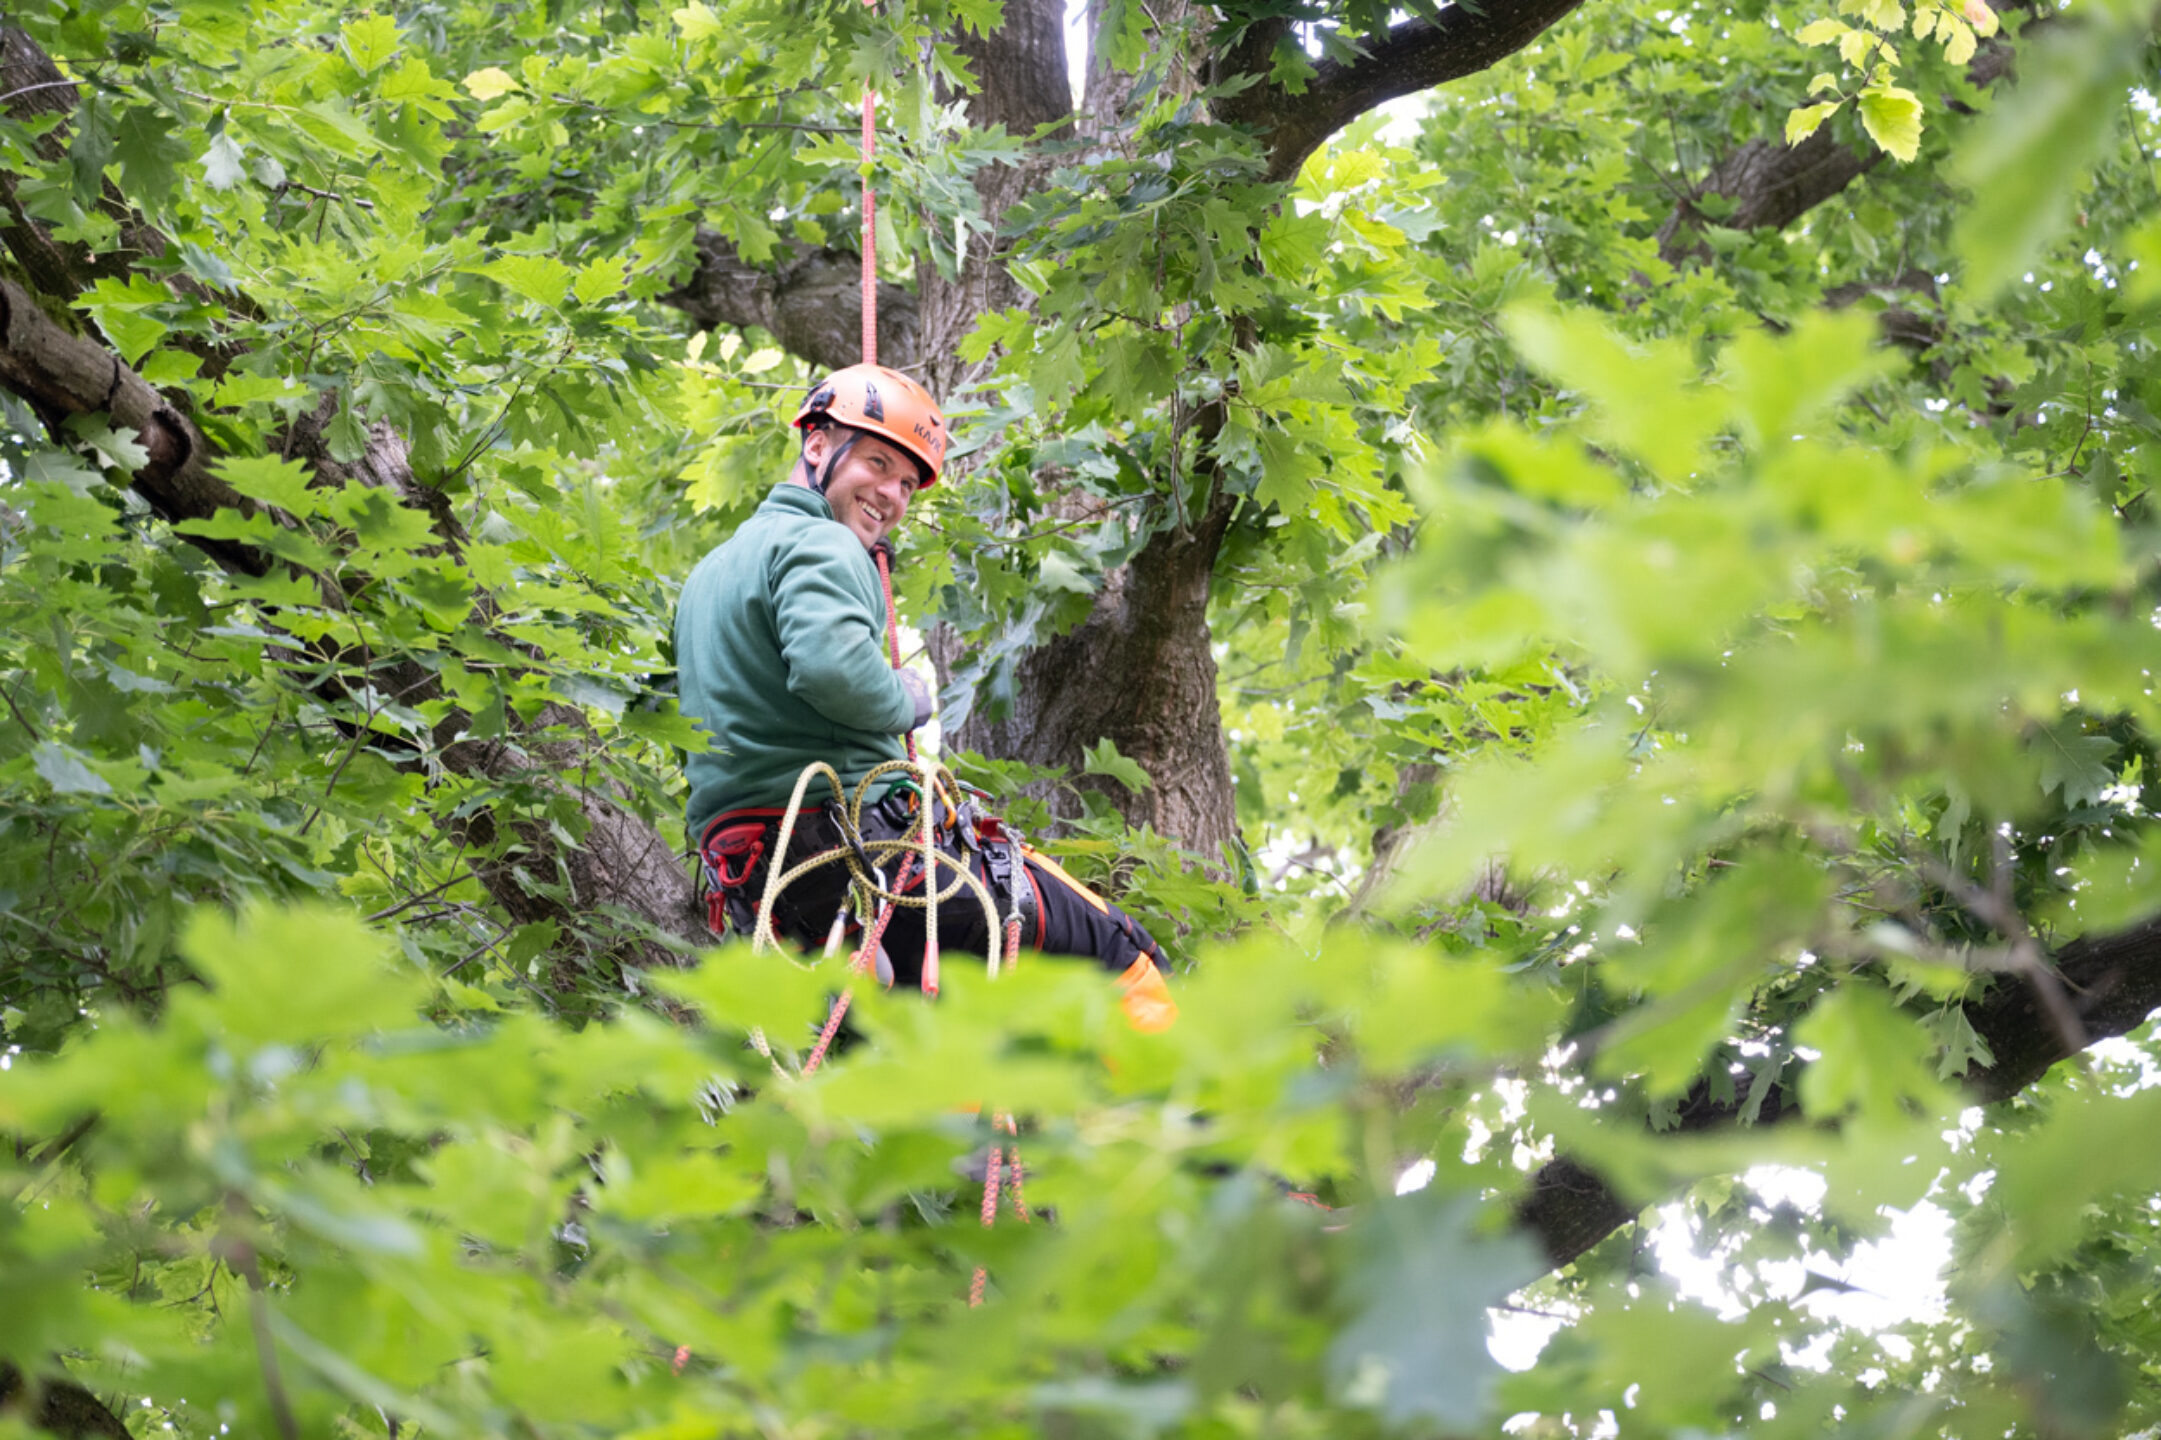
(990, 1218)
(863, 960)
(1020, 1203)
(993, 1183)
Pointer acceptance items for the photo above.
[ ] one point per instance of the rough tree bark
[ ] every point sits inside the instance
(1771, 183)
(811, 302)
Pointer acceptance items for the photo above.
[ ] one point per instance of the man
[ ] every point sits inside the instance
(779, 643)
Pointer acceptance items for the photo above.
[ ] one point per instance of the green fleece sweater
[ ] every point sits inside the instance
(780, 654)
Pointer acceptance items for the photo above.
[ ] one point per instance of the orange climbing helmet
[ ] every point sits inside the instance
(882, 402)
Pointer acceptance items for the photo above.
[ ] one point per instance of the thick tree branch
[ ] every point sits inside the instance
(2114, 981)
(57, 1405)
(1413, 55)
(63, 374)
(1902, 321)
(1772, 184)
(810, 300)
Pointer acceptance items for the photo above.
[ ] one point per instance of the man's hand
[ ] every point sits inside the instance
(920, 694)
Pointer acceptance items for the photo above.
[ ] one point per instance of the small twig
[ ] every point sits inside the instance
(41, 85)
(495, 428)
(360, 1161)
(327, 194)
(241, 1256)
(1673, 132)
(260, 741)
(759, 384)
(1650, 718)
(2153, 171)
(410, 901)
(1290, 860)
(360, 734)
(1048, 530)
(509, 970)
(2070, 466)
(244, 104)
(20, 718)
(1277, 692)
(1995, 908)
(60, 1144)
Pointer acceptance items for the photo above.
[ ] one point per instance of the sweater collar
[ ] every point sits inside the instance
(788, 495)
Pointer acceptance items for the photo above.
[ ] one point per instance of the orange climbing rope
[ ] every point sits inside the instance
(1002, 1175)
(867, 955)
(870, 230)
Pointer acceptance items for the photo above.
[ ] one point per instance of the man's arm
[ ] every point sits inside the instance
(827, 619)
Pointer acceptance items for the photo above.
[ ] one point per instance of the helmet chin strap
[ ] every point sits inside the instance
(823, 476)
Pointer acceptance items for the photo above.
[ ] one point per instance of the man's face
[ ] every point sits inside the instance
(871, 489)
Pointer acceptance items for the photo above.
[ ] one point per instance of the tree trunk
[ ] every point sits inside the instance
(1141, 672)
(1021, 70)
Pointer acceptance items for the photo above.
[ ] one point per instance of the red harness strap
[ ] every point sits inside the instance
(733, 844)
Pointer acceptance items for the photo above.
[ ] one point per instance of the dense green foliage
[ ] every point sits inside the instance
(1800, 682)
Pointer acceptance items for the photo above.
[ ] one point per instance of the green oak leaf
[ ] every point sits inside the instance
(1104, 759)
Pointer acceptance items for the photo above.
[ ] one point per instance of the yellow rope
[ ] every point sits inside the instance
(763, 934)
(929, 774)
